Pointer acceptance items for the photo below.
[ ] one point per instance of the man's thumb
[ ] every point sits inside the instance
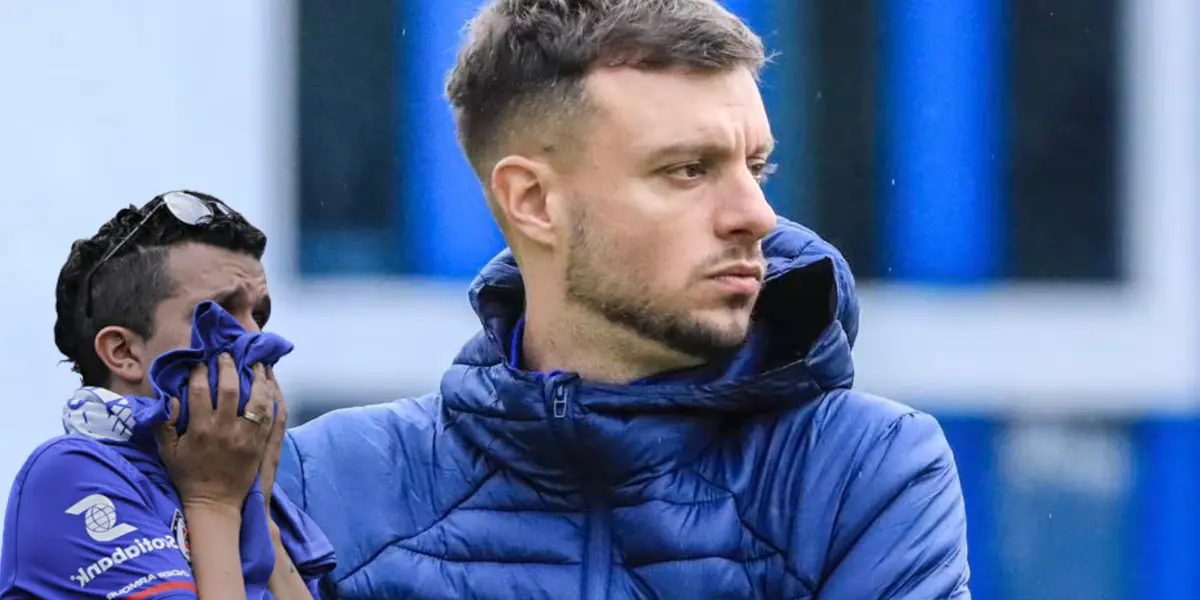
(166, 432)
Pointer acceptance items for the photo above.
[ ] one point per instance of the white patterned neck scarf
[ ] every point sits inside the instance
(99, 413)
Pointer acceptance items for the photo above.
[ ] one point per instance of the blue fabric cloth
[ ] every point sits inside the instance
(214, 332)
(767, 476)
(140, 545)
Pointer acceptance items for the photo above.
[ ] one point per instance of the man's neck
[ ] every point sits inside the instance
(122, 388)
(578, 341)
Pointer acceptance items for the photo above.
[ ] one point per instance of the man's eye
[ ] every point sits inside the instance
(763, 171)
(690, 171)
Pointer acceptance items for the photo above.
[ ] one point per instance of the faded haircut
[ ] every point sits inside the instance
(519, 76)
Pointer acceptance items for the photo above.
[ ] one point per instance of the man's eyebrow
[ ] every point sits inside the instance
(233, 298)
(766, 147)
(226, 298)
(705, 148)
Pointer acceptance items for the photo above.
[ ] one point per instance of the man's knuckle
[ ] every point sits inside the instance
(203, 435)
(228, 388)
(199, 387)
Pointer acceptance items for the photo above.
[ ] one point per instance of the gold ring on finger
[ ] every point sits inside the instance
(254, 417)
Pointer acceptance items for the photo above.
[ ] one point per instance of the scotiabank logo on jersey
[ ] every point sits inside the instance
(85, 575)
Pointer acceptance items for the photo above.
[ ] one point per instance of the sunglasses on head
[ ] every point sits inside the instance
(187, 208)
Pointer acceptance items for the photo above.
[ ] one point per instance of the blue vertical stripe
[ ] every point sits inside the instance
(781, 23)
(943, 117)
(448, 230)
(973, 440)
(1165, 520)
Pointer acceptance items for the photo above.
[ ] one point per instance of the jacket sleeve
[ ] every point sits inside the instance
(76, 527)
(290, 489)
(901, 529)
(289, 476)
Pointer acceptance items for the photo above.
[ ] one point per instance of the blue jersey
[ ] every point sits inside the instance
(84, 522)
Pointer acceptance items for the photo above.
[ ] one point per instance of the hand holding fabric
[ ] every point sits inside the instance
(217, 460)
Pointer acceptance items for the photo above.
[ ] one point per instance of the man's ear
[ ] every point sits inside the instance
(520, 189)
(124, 353)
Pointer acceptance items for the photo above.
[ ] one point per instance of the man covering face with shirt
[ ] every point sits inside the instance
(122, 507)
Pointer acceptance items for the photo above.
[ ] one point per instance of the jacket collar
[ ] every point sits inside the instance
(563, 432)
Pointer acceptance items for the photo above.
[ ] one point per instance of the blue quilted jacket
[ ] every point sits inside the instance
(768, 477)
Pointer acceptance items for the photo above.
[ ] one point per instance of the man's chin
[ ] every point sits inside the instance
(727, 327)
(711, 339)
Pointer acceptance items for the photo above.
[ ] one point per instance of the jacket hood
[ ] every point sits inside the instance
(554, 427)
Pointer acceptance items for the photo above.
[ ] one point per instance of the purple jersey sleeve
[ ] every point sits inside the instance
(79, 526)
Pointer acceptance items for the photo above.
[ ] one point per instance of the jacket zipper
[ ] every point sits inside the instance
(559, 404)
(598, 553)
(597, 558)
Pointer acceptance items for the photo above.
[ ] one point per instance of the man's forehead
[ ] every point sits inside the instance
(674, 107)
(209, 269)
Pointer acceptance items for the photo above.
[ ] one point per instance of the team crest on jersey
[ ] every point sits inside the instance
(180, 529)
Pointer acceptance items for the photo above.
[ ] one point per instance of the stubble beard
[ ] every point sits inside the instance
(602, 286)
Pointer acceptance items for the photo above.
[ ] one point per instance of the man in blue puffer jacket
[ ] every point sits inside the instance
(659, 403)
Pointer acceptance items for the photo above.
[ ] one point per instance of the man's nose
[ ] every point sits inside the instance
(249, 322)
(744, 211)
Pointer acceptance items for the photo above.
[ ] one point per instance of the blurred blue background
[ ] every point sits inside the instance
(1016, 183)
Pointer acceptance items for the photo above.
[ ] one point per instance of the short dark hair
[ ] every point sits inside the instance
(524, 61)
(127, 289)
